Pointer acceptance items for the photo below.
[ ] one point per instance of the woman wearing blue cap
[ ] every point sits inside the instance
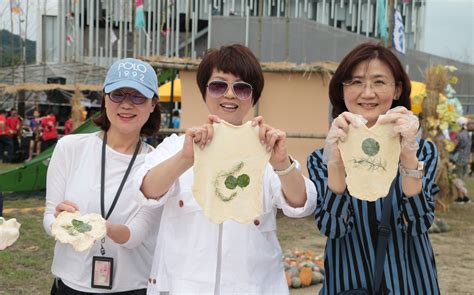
(90, 173)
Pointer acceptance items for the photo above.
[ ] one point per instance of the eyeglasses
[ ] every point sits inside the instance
(219, 88)
(135, 98)
(378, 86)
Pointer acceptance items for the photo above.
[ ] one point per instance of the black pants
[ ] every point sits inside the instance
(60, 289)
(6, 144)
(47, 143)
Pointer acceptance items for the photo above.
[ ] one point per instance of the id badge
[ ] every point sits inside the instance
(102, 272)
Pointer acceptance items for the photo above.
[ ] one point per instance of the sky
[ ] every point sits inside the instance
(449, 25)
(449, 30)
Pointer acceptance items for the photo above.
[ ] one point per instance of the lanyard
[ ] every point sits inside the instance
(102, 179)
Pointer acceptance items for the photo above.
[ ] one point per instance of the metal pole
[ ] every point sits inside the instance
(97, 29)
(209, 27)
(171, 98)
(247, 20)
(390, 23)
(91, 34)
(177, 8)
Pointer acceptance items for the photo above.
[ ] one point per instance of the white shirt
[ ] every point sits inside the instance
(190, 249)
(74, 174)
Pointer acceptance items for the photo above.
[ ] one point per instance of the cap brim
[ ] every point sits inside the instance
(130, 84)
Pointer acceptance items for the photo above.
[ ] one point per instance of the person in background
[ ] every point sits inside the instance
(68, 126)
(35, 142)
(14, 123)
(91, 173)
(6, 144)
(370, 83)
(49, 131)
(175, 120)
(463, 154)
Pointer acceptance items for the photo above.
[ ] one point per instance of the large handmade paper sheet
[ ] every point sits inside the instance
(370, 157)
(9, 232)
(228, 174)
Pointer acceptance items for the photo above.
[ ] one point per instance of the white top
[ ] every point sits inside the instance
(74, 174)
(189, 252)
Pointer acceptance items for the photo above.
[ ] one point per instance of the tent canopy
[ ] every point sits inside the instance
(165, 91)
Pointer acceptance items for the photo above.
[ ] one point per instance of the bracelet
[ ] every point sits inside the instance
(285, 171)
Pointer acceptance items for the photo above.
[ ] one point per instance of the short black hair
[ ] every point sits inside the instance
(235, 59)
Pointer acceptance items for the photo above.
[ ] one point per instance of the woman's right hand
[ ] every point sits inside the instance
(338, 132)
(201, 135)
(66, 206)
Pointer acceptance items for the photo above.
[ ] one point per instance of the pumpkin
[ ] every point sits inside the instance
(288, 278)
(295, 282)
(317, 278)
(306, 276)
(293, 271)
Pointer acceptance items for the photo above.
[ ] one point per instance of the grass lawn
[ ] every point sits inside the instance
(25, 266)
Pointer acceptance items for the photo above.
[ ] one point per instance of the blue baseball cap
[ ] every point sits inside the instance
(132, 73)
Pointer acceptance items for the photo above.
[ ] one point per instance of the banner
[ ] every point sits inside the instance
(139, 15)
(399, 43)
(382, 20)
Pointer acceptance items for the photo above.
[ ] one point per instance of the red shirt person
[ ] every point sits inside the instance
(50, 133)
(68, 126)
(5, 139)
(14, 122)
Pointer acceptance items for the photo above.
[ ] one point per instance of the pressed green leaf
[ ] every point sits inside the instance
(230, 182)
(243, 180)
(370, 147)
(81, 226)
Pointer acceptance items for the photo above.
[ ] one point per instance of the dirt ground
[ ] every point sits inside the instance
(454, 250)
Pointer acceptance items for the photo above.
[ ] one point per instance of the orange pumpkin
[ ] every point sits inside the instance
(306, 276)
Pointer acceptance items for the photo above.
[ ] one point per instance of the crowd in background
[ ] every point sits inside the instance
(22, 138)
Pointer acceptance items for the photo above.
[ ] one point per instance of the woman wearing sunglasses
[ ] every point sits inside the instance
(194, 255)
(90, 173)
(371, 83)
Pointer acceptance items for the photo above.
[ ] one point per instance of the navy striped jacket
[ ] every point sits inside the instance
(351, 227)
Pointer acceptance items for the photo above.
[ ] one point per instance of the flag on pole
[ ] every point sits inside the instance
(398, 33)
(113, 37)
(383, 26)
(15, 7)
(139, 14)
(69, 40)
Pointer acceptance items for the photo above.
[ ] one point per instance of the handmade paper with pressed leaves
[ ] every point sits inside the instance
(79, 231)
(370, 157)
(228, 174)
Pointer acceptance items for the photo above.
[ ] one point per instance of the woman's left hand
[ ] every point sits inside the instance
(275, 142)
(406, 124)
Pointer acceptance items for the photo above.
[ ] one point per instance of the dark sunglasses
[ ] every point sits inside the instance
(135, 98)
(217, 88)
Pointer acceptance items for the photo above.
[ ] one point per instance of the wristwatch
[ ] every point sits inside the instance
(416, 173)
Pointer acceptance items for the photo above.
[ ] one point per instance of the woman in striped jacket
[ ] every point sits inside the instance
(370, 81)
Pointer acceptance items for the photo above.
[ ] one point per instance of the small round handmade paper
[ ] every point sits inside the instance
(9, 232)
(79, 231)
(228, 173)
(370, 157)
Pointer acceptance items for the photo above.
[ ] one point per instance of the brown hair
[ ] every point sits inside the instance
(365, 52)
(151, 126)
(235, 59)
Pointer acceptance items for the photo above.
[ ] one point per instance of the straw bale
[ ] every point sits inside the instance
(323, 67)
(44, 87)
